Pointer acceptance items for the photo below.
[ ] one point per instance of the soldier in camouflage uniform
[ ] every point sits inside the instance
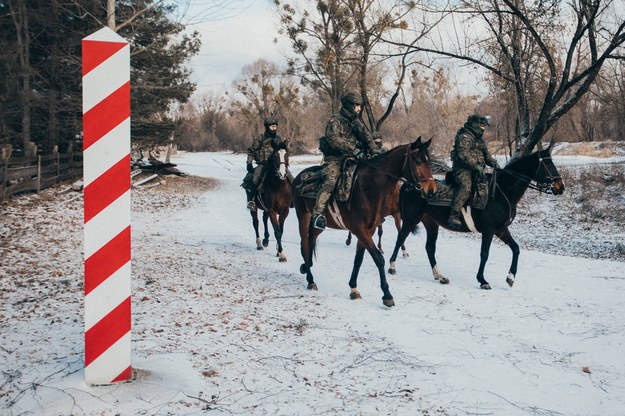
(469, 157)
(346, 137)
(260, 150)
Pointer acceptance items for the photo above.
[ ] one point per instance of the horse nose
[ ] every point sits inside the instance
(558, 187)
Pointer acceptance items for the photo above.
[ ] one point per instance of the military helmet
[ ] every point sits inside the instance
(476, 118)
(350, 99)
(269, 121)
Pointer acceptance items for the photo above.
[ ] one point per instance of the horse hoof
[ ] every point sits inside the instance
(485, 286)
(355, 295)
(392, 271)
(265, 243)
(259, 248)
(405, 254)
(443, 280)
(348, 242)
(388, 302)
(282, 259)
(312, 286)
(510, 279)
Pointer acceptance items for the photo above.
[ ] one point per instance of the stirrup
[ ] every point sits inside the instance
(251, 206)
(319, 222)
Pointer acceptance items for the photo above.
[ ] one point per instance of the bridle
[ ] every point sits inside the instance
(545, 186)
(415, 178)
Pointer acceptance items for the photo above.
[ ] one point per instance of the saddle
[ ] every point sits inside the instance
(479, 192)
(311, 181)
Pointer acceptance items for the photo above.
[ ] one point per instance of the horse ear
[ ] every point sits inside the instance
(416, 143)
(427, 144)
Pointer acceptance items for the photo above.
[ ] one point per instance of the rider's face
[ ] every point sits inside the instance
(357, 108)
(273, 127)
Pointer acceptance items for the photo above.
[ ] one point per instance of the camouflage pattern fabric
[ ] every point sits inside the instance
(445, 192)
(470, 151)
(470, 154)
(262, 147)
(330, 176)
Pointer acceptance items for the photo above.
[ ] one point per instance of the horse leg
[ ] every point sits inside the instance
(349, 238)
(430, 249)
(380, 232)
(506, 237)
(281, 219)
(305, 268)
(277, 232)
(254, 214)
(378, 258)
(405, 229)
(487, 238)
(353, 280)
(266, 239)
(397, 218)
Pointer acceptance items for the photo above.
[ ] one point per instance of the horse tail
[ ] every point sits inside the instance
(415, 229)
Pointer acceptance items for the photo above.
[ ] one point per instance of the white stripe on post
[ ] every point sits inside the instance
(106, 162)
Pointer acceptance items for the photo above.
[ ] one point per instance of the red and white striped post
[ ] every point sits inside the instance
(106, 161)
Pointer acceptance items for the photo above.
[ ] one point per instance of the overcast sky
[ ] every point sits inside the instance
(243, 35)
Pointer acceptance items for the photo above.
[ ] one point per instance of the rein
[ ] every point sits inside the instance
(532, 182)
(416, 179)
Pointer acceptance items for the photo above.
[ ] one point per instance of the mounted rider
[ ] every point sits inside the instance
(469, 156)
(261, 149)
(345, 137)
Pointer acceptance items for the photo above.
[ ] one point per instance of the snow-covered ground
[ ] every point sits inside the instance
(221, 328)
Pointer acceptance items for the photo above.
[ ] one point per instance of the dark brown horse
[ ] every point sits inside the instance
(390, 208)
(274, 198)
(363, 213)
(535, 171)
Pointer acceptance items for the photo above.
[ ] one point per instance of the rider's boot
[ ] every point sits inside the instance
(454, 220)
(250, 199)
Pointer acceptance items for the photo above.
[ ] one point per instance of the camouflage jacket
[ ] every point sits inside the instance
(262, 148)
(470, 151)
(344, 136)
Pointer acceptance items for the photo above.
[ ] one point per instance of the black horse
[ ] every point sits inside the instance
(535, 171)
(274, 197)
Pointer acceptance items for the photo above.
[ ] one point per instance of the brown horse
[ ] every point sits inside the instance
(274, 198)
(390, 208)
(535, 171)
(363, 212)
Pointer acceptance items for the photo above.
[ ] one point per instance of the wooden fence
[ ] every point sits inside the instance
(36, 173)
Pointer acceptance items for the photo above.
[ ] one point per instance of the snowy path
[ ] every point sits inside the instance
(219, 325)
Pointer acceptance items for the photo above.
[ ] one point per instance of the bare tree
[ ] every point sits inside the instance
(571, 61)
(339, 46)
(263, 90)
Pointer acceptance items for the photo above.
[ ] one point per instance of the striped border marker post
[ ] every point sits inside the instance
(106, 161)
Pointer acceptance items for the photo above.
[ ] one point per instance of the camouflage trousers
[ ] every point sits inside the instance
(331, 173)
(462, 190)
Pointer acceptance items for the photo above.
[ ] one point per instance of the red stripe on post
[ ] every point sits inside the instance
(124, 375)
(107, 260)
(107, 332)
(109, 186)
(106, 115)
(98, 52)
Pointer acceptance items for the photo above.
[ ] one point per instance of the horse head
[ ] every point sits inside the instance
(280, 159)
(538, 167)
(417, 167)
(547, 176)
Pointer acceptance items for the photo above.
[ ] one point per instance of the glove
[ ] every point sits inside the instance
(358, 153)
(250, 168)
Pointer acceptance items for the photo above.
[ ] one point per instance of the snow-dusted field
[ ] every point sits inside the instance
(221, 328)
